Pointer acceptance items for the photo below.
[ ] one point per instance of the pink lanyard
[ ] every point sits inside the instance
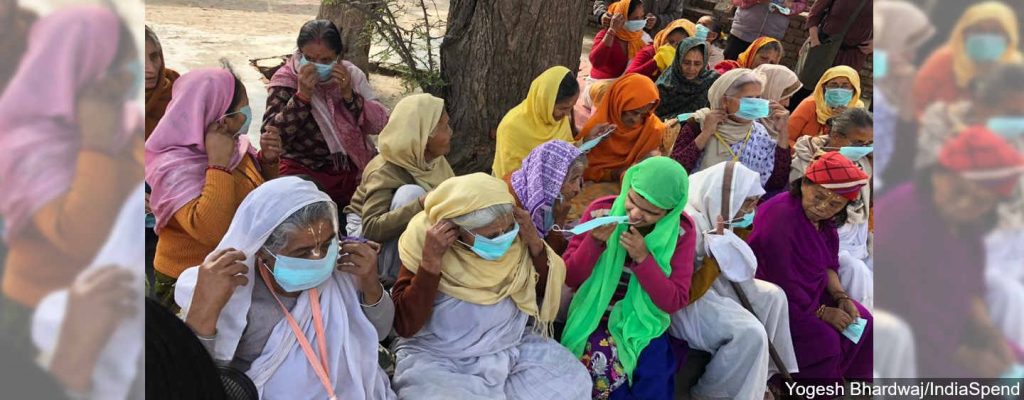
(319, 364)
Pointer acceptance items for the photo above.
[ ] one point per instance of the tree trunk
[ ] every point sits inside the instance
(354, 31)
(491, 52)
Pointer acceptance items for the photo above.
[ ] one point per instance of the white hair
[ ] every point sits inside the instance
(482, 217)
(304, 218)
(745, 79)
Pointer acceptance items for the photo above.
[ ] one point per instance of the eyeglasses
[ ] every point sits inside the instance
(827, 200)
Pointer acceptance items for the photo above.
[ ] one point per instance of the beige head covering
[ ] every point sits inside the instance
(730, 131)
(404, 139)
(779, 81)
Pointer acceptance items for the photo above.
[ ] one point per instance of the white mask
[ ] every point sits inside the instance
(735, 258)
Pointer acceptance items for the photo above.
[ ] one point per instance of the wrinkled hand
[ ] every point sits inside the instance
(710, 123)
(308, 79)
(606, 20)
(618, 22)
(340, 76)
(651, 21)
(815, 41)
(218, 278)
(850, 308)
(527, 231)
(439, 238)
(634, 244)
(602, 233)
(596, 131)
(360, 260)
(220, 143)
(270, 144)
(839, 319)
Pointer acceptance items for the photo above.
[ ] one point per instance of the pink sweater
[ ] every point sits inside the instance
(670, 293)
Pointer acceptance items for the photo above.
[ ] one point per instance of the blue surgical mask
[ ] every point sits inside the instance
(838, 97)
(247, 112)
(323, 70)
(854, 153)
(636, 25)
(985, 47)
(752, 108)
(682, 118)
(855, 330)
(298, 274)
(549, 218)
(595, 223)
(743, 222)
(493, 249)
(1006, 126)
(702, 33)
(881, 63)
(782, 10)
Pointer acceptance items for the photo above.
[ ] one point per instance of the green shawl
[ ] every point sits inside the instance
(678, 94)
(635, 320)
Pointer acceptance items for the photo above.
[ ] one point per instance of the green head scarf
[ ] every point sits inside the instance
(635, 320)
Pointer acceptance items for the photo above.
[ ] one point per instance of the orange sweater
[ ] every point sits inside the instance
(936, 81)
(199, 225)
(804, 121)
(66, 233)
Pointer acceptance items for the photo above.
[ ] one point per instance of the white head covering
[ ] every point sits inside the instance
(282, 370)
(704, 205)
(117, 366)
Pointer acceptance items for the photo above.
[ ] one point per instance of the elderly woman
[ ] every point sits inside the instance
(986, 35)
(683, 86)
(616, 45)
(628, 279)
(629, 107)
(159, 80)
(797, 247)
(70, 159)
(325, 110)
(411, 162)
(541, 117)
(837, 90)
(851, 134)
(764, 50)
(475, 272)
(552, 175)
(652, 60)
(936, 227)
(201, 165)
(729, 131)
(282, 283)
(780, 85)
(714, 321)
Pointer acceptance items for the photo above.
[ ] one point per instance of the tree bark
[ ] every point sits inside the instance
(354, 31)
(491, 53)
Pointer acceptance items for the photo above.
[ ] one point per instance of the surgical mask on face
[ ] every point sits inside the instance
(735, 258)
(985, 47)
(838, 97)
(855, 153)
(636, 25)
(322, 70)
(881, 63)
(247, 112)
(298, 274)
(752, 108)
(1006, 126)
(549, 218)
(743, 222)
(702, 32)
(493, 249)
(595, 223)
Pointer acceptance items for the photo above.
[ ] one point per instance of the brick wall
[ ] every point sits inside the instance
(795, 37)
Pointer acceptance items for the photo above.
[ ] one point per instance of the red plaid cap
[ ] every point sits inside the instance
(837, 173)
(980, 155)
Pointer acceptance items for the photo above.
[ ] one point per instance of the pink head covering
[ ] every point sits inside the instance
(39, 131)
(176, 159)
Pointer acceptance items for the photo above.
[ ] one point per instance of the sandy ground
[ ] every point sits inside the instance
(197, 34)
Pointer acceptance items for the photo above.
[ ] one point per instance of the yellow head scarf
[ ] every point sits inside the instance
(823, 111)
(963, 67)
(635, 40)
(665, 53)
(531, 123)
(467, 277)
(404, 139)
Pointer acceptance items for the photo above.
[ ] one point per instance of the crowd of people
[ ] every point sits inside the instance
(664, 202)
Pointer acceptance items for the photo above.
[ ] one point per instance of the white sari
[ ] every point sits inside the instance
(282, 370)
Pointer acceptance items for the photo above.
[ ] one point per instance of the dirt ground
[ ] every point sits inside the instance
(198, 33)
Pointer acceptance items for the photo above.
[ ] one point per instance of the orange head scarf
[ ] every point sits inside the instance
(746, 59)
(634, 40)
(627, 145)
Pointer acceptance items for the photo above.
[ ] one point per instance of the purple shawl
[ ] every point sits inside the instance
(927, 276)
(539, 182)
